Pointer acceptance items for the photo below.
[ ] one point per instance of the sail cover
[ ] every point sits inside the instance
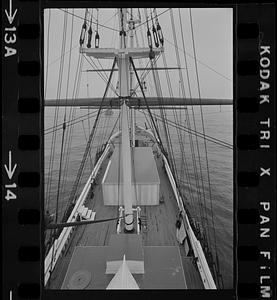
(123, 279)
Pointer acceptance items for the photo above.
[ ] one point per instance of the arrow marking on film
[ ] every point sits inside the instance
(10, 170)
(10, 15)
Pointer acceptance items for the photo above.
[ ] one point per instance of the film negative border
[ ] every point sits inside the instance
(256, 148)
(22, 155)
(21, 150)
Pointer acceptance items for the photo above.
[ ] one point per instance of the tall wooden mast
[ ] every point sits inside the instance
(123, 54)
(124, 93)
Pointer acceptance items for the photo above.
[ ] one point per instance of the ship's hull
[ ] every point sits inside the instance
(158, 229)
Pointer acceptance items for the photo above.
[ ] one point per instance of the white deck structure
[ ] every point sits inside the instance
(145, 179)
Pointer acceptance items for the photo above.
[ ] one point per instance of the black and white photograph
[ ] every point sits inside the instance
(138, 148)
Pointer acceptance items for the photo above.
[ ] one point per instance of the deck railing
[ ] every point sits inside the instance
(201, 261)
(60, 243)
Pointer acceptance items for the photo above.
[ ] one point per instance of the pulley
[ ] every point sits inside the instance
(90, 31)
(160, 34)
(159, 29)
(89, 37)
(144, 86)
(122, 32)
(83, 30)
(151, 54)
(149, 38)
(97, 39)
(155, 36)
(83, 33)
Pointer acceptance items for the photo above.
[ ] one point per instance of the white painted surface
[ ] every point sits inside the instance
(60, 243)
(123, 279)
(202, 264)
(143, 194)
(145, 179)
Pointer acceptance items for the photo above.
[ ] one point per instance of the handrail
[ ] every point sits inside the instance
(202, 264)
(60, 242)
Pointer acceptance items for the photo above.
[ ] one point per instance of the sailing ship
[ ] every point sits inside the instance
(131, 225)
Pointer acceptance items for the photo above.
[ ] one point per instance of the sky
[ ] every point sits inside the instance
(213, 37)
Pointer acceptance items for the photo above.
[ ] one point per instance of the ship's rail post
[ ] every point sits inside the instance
(201, 261)
(60, 243)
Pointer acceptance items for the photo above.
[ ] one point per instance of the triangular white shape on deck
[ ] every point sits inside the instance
(123, 279)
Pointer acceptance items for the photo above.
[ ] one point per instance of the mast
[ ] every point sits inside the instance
(131, 27)
(131, 23)
(122, 55)
(124, 92)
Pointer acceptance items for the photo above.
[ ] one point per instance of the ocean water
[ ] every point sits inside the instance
(218, 124)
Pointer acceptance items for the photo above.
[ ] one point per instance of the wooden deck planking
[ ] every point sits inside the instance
(160, 221)
(192, 275)
(93, 234)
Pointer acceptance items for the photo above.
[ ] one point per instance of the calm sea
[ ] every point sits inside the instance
(218, 124)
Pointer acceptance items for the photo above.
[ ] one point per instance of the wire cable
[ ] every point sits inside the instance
(100, 25)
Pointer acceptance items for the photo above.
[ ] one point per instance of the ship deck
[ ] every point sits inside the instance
(160, 229)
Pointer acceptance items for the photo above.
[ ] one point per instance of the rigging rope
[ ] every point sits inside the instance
(202, 63)
(92, 64)
(159, 29)
(91, 136)
(53, 141)
(205, 145)
(204, 213)
(69, 65)
(97, 37)
(100, 25)
(72, 113)
(149, 37)
(175, 117)
(146, 72)
(70, 224)
(149, 111)
(101, 68)
(163, 115)
(91, 164)
(185, 160)
(154, 123)
(90, 30)
(155, 35)
(83, 30)
(106, 126)
(86, 142)
(68, 51)
(114, 126)
(194, 123)
(178, 132)
(143, 23)
(186, 129)
(72, 110)
(70, 122)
